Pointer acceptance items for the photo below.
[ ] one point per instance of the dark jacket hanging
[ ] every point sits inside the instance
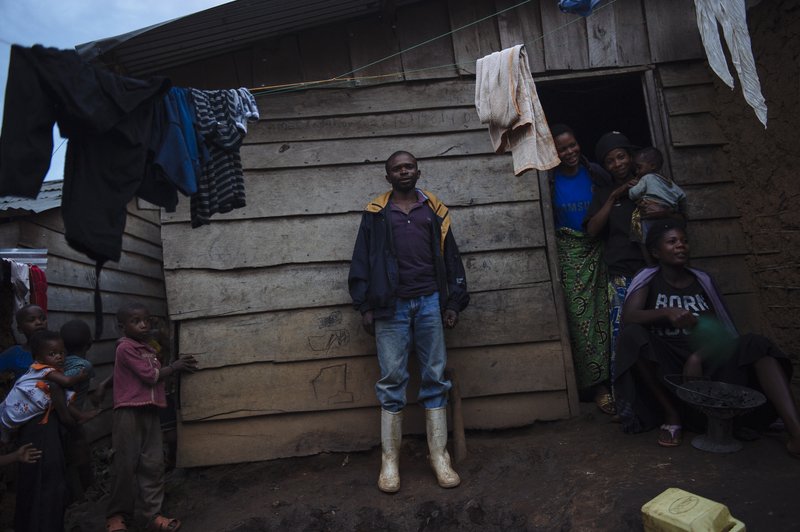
(107, 119)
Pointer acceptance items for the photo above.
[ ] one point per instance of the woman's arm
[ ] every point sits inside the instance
(599, 220)
(633, 311)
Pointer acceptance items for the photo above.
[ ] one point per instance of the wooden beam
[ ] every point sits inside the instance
(457, 181)
(475, 41)
(700, 129)
(418, 23)
(372, 39)
(229, 245)
(379, 98)
(374, 149)
(558, 293)
(35, 236)
(364, 126)
(268, 437)
(344, 383)
(690, 99)
(565, 40)
(672, 30)
(493, 318)
(522, 25)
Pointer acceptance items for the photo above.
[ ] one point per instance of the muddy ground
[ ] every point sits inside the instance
(579, 474)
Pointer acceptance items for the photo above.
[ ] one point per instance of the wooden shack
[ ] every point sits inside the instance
(260, 295)
(36, 223)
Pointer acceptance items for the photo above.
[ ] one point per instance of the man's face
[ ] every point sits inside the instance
(402, 173)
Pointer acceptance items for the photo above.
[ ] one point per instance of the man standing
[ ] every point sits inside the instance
(408, 282)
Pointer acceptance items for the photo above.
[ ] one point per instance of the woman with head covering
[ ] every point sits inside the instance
(609, 219)
(583, 273)
(664, 310)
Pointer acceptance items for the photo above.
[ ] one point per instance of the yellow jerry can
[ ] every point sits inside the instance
(676, 510)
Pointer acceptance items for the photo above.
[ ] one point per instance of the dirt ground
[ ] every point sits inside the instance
(579, 474)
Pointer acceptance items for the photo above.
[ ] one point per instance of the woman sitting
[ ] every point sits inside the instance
(662, 307)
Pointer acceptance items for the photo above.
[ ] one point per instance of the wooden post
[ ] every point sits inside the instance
(459, 440)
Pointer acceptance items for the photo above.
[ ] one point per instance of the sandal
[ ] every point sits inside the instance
(116, 523)
(163, 524)
(605, 403)
(670, 435)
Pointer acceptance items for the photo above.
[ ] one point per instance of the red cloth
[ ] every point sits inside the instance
(38, 282)
(136, 371)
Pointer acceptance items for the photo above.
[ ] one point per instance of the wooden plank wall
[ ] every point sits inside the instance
(71, 278)
(695, 148)
(621, 33)
(261, 293)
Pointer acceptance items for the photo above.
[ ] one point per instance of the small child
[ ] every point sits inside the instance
(136, 433)
(27, 409)
(77, 339)
(32, 394)
(17, 359)
(652, 188)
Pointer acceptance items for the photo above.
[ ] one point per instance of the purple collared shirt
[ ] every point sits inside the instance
(412, 243)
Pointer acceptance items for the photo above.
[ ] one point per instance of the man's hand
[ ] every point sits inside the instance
(368, 323)
(450, 318)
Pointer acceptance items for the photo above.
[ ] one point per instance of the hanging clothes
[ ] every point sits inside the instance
(20, 282)
(107, 120)
(220, 185)
(506, 99)
(732, 16)
(583, 8)
(38, 287)
(176, 157)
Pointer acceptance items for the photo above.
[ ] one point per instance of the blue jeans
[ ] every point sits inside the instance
(418, 322)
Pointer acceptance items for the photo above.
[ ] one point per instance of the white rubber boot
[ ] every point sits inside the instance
(436, 425)
(391, 437)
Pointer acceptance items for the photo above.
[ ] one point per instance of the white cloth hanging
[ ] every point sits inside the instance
(506, 99)
(732, 16)
(20, 283)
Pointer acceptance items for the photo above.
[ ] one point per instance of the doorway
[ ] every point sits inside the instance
(593, 106)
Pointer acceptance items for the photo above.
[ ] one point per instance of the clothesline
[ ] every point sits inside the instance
(346, 78)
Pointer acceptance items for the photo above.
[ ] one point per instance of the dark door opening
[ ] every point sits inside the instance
(593, 106)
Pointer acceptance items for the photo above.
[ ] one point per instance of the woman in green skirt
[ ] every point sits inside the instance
(583, 272)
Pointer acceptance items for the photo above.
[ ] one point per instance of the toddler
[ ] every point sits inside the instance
(28, 410)
(136, 432)
(17, 359)
(652, 188)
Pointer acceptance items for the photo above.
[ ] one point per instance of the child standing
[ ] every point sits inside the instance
(136, 430)
(652, 188)
(41, 486)
(77, 339)
(17, 359)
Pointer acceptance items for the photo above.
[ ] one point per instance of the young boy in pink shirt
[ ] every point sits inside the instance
(136, 430)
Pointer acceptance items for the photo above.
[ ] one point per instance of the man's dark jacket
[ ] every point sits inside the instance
(374, 273)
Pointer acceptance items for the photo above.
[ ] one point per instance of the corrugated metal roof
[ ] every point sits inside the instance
(49, 198)
(32, 257)
(221, 29)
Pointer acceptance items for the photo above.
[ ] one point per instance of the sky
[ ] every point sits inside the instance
(66, 23)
